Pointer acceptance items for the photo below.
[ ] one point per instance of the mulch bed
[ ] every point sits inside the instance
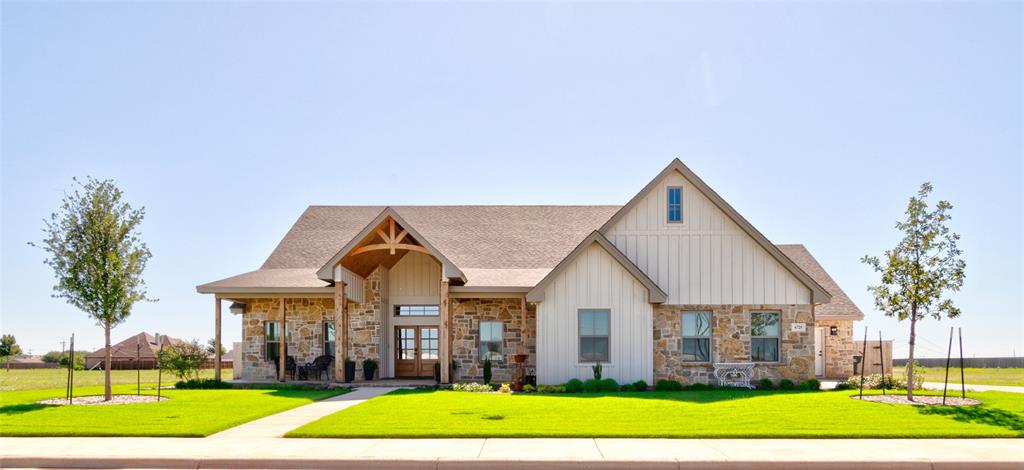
(98, 400)
(919, 400)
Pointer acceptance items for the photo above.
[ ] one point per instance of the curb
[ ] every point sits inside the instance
(434, 464)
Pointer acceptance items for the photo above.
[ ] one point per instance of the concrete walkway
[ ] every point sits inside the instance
(279, 424)
(637, 454)
(975, 388)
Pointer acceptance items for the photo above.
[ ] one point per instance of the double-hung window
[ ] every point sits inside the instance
(675, 204)
(272, 340)
(696, 336)
(594, 335)
(764, 336)
(491, 335)
(329, 338)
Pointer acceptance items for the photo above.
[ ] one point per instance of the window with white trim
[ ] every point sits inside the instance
(675, 204)
(594, 337)
(491, 335)
(764, 336)
(696, 336)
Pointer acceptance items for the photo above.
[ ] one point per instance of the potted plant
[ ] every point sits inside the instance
(437, 372)
(369, 368)
(350, 370)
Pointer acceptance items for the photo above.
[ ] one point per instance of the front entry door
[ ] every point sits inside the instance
(416, 351)
(819, 354)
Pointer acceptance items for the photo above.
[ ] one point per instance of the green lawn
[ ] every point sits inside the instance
(714, 414)
(30, 379)
(188, 413)
(978, 376)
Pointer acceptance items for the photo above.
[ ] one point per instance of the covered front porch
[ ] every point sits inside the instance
(383, 298)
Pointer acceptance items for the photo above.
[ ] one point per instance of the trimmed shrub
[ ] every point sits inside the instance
(810, 384)
(786, 384)
(844, 386)
(200, 384)
(487, 370)
(640, 386)
(592, 386)
(528, 388)
(608, 385)
(765, 384)
(573, 386)
(664, 385)
(627, 388)
(597, 371)
(699, 387)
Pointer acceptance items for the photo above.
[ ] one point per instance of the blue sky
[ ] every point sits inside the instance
(816, 121)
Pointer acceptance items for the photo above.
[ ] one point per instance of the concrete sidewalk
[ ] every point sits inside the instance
(974, 388)
(256, 452)
(278, 424)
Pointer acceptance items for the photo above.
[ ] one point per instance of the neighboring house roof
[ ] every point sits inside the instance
(840, 307)
(127, 349)
(654, 293)
(818, 293)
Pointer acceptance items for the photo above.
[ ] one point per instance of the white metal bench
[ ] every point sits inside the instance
(736, 374)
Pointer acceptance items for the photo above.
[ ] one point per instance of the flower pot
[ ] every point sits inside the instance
(437, 372)
(350, 372)
(368, 372)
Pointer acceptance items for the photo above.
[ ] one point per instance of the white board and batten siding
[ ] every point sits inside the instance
(705, 259)
(594, 280)
(353, 283)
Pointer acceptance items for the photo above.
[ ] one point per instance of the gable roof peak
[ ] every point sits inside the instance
(818, 293)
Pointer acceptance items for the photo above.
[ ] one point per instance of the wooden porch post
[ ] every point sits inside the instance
(282, 360)
(445, 356)
(340, 331)
(216, 340)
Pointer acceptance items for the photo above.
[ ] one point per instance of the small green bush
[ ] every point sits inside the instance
(640, 386)
(592, 386)
(528, 388)
(627, 388)
(699, 387)
(597, 371)
(844, 386)
(487, 370)
(810, 384)
(786, 384)
(608, 385)
(202, 384)
(765, 384)
(573, 386)
(664, 385)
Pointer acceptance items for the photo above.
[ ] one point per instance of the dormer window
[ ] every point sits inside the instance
(675, 205)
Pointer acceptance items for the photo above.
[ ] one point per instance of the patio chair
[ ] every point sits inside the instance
(290, 367)
(320, 366)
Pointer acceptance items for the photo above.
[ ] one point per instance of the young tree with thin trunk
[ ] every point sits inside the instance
(97, 256)
(920, 270)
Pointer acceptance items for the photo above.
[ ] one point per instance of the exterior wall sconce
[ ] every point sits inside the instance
(237, 308)
(833, 330)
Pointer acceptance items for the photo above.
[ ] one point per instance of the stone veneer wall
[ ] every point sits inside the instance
(306, 317)
(465, 323)
(839, 349)
(730, 342)
(364, 324)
